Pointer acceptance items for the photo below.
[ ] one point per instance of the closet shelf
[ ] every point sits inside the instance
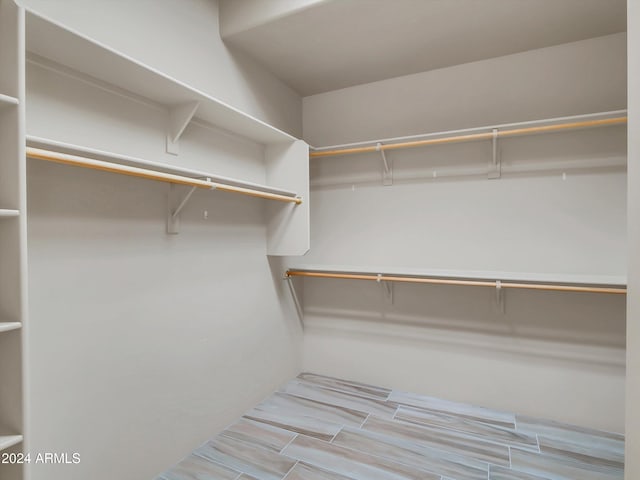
(91, 163)
(532, 281)
(66, 47)
(7, 441)
(117, 158)
(8, 213)
(8, 326)
(6, 101)
(550, 125)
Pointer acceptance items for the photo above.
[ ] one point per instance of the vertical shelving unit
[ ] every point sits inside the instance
(13, 229)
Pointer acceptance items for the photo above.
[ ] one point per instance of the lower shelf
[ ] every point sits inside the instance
(7, 326)
(7, 101)
(7, 441)
(8, 213)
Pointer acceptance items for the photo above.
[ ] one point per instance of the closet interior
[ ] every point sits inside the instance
(243, 240)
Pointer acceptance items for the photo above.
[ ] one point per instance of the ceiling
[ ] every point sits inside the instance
(335, 44)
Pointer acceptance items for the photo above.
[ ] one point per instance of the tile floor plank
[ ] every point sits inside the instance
(300, 415)
(449, 440)
(556, 437)
(561, 467)
(581, 451)
(472, 412)
(351, 462)
(346, 386)
(261, 463)
(501, 473)
(493, 432)
(260, 434)
(381, 408)
(297, 406)
(198, 468)
(440, 462)
(303, 471)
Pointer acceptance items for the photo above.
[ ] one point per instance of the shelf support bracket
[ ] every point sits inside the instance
(296, 301)
(495, 166)
(499, 296)
(175, 205)
(179, 118)
(387, 166)
(388, 288)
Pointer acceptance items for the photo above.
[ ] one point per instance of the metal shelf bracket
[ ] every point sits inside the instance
(179, 118)
(387, 166)
(495, 166)
(499, 296)
(388, 288)
(176, 202)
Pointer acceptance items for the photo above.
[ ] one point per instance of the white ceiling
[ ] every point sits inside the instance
(340, 43)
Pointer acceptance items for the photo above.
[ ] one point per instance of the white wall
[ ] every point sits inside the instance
(237, 17)
(143, 345)
(181, 38)
(555, 81)
(554, 355)
(632, 425)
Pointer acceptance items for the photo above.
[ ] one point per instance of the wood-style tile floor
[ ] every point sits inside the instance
(321, 428)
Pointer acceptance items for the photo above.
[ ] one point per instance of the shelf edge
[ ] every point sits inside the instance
(8, 326)
(7, 441)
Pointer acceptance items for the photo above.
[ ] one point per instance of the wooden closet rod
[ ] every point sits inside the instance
(445, 281)
(473, 137)
(77, 161)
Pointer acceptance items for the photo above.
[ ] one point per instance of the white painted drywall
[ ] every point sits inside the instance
(632, 425)
(570, 79)
(143, 345)
(237, 17)
(181, 38)
(337, 44)
(559, 356)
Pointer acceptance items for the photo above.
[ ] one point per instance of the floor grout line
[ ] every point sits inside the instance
(334, 437)
(289, 442)
(364, 421)
(292, 467)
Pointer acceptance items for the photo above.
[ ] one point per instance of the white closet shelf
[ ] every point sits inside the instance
(66, 47)
(8, 213)
(8, 326)
(71, 149)
(6, 101)
(7, 441)
(534, 279)
(547, 125)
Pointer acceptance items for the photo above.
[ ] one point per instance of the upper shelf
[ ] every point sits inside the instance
(6, 101)
(532, 127)
(71, 149)
(69, 48)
